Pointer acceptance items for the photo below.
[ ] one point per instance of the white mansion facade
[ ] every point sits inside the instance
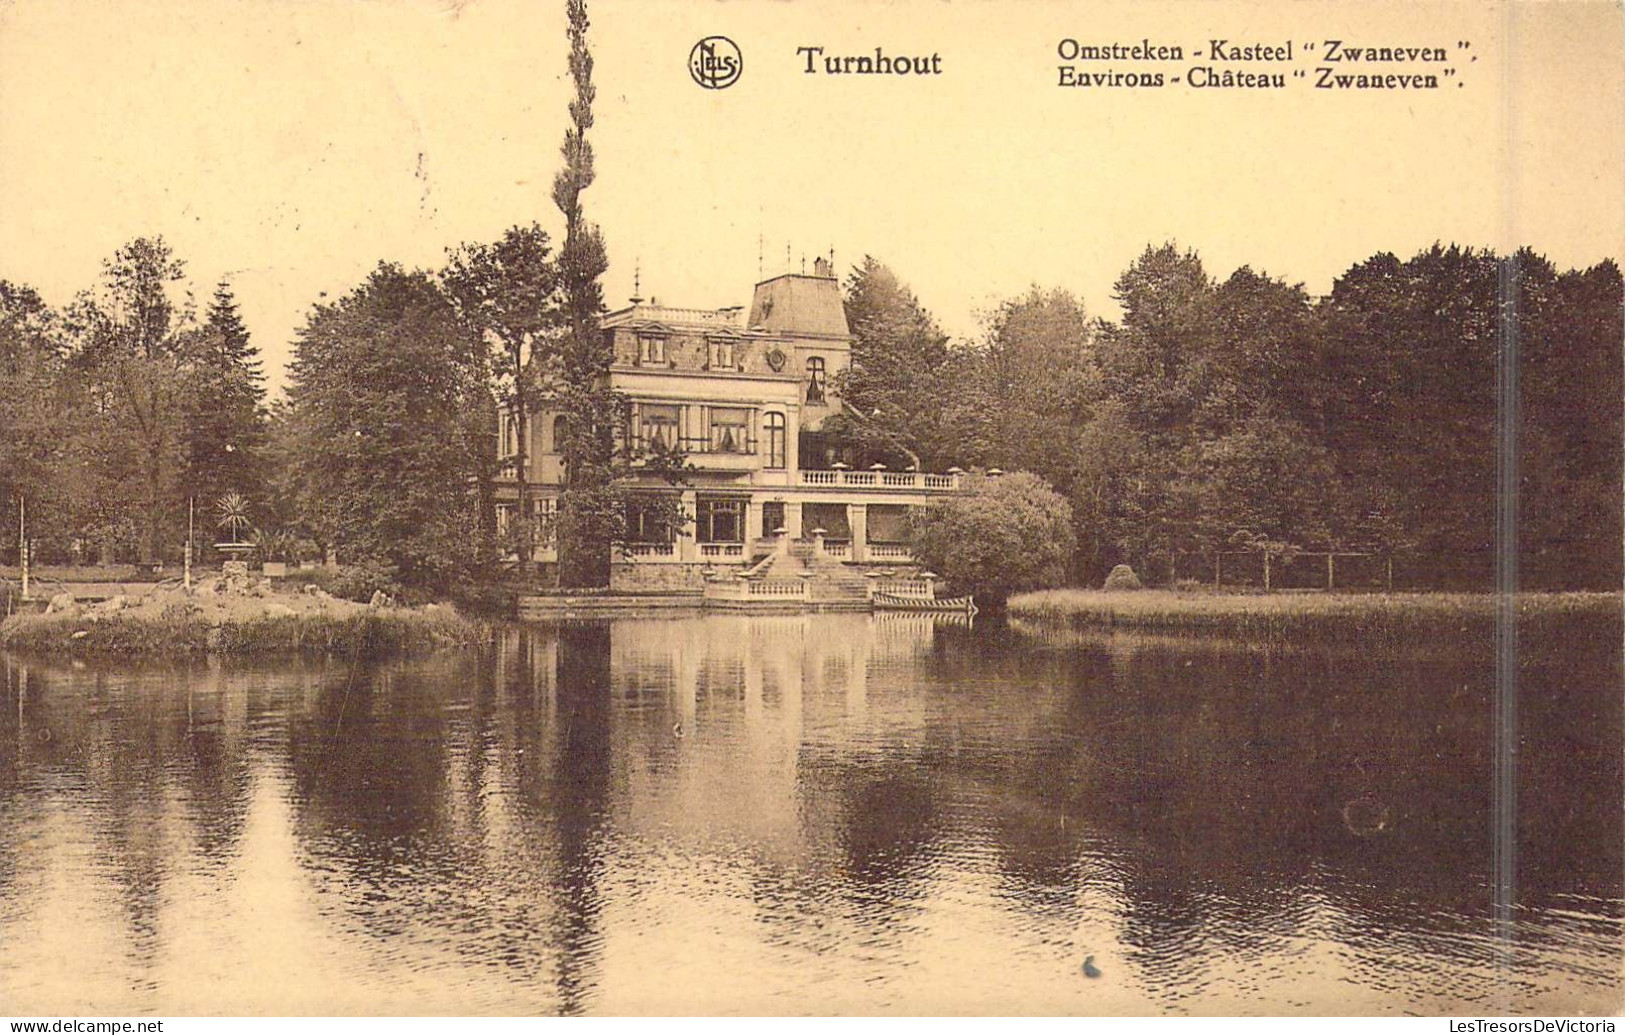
(745, 396)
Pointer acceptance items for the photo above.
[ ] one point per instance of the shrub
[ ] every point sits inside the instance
(355, 582)
(998, 536)
(484, 598)
(1122, 577)
(359, 582)
(321, 577)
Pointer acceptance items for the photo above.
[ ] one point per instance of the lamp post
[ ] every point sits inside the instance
(22, 540)
(191, 515)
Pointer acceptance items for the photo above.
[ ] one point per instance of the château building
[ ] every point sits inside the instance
(746, 396)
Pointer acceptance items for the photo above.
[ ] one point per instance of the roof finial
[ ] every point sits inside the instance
(637, 282)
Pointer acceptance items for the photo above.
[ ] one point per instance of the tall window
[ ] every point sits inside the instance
(545, 515)
(773, 427)
(651, 349)
(657, 426)
(561, 427)
(724, 353)
(815, 380)
(510, 436)
(730, 430)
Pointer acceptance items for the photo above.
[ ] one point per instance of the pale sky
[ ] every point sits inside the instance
(292, 144)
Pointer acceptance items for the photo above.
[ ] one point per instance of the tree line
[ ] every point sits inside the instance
(122, 406)
(122, 412)
(1241, 414)
(1211, 415)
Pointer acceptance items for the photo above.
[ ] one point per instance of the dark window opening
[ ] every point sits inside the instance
(887, 523)
(649, 521)
(831, 517)
(719, 519)
(815, 380)
(772, 518)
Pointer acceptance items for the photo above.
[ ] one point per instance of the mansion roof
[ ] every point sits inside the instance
(791, 304)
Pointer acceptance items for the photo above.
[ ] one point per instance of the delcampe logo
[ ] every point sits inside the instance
(715, 62)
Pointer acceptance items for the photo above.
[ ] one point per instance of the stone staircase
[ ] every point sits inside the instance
(832, 582)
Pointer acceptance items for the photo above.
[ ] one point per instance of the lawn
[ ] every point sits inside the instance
(1345, 617)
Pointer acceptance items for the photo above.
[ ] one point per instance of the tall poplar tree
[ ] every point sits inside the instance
(591, 509)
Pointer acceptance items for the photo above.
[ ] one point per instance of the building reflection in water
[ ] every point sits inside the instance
(803, 813)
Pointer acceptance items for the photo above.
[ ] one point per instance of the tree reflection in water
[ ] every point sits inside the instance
(864, 813)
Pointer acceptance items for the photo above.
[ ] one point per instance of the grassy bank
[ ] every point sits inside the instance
(1326, 617)
(173, 630)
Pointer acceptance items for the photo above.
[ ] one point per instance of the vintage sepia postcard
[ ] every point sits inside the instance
(730, 507)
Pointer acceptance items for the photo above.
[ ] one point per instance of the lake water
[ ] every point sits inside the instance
(808, 814)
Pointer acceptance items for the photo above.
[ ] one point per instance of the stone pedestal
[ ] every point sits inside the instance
(235, 575)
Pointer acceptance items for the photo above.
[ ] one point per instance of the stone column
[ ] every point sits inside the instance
(857, 516)
(753, 524)
(792, 520)
(688, 549)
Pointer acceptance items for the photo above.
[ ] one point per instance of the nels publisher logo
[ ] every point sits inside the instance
(715, 62)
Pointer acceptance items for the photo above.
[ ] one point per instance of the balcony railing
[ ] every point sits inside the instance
(722, 549)
(651, 549)
(889, 551)
(757, 589)
(694, 445)
(914, 589)
(882, 480)
(776, 587)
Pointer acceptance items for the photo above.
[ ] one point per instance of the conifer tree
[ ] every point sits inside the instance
(225, 416)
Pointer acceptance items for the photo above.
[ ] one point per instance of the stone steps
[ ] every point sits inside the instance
(831, 580)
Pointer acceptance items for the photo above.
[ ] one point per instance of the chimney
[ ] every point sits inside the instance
(822, 268)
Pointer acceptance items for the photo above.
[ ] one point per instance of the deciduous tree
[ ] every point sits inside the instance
(377, 390)
(506, 294)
